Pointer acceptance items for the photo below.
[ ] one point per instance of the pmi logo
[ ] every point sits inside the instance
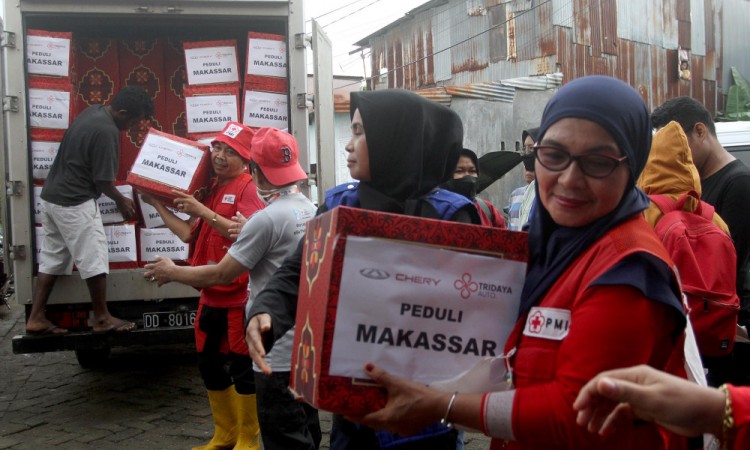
(374, 274)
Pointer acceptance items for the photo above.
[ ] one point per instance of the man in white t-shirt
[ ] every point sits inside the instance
(268, 237)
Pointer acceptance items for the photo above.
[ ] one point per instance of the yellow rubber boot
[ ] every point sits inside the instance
(224, 412)
(249, 430)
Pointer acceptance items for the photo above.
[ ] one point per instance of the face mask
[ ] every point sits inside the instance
(466, 186)
(266, 195)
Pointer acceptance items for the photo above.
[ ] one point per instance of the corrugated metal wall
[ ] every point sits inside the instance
(473, 41)
(733, 41)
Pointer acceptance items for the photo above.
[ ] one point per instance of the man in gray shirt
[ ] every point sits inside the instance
(84, 168)
(268, 237)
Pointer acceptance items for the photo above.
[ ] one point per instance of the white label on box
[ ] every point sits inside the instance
(211, 65)
(421, 312)
(266, 57)
(121, 243)
(167, 161)
(43, 154)
(108, 208)
(152, 218)
(162, 242)
(209, 113)
(265, 109)
(49, 109)
(38, 204)
(46, 55)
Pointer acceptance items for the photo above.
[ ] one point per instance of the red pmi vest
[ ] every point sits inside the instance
(631, 236)
(706, 260)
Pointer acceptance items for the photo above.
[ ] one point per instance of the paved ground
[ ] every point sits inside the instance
(143, 399)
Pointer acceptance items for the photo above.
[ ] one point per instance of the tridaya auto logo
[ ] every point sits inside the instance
(465, 285)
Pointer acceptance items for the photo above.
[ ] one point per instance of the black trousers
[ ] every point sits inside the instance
(285, 423)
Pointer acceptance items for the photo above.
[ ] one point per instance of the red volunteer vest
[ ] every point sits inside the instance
(210, 246)
(535, 360)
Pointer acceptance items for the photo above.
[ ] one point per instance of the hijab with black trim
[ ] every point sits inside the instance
(413, 145)
(620, 110)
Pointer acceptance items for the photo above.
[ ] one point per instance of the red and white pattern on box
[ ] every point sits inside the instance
(49, 103)
(265, 109)
(108, 208)
(211, 62)
(167, 162)
(162, 242)
(209, 108)
(49, 53)
(325, 241)
(267, 84)
(122, 246)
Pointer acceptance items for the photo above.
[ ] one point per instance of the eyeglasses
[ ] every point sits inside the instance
(593, 165)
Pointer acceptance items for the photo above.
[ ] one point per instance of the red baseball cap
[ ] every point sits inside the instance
(276, 153)
(237, 136)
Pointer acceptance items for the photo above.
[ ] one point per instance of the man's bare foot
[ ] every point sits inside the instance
(43, 328)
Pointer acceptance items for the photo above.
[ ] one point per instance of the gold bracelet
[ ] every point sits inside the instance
(444, 421)
(213, 219)
(727, 422)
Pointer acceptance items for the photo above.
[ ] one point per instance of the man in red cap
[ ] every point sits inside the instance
(219, 325)
(265, 241)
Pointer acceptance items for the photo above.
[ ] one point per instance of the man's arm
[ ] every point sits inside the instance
(164, 271)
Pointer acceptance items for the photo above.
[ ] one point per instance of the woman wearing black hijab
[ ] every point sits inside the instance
(402, 147)
(599, 292)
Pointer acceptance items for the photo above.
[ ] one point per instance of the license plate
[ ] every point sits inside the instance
(169, 319)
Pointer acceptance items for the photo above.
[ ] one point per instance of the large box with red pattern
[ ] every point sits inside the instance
(425, 299)
(167, 162)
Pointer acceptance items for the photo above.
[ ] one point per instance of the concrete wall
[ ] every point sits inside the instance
(492, 126)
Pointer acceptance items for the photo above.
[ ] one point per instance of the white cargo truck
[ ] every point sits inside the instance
(164, 314)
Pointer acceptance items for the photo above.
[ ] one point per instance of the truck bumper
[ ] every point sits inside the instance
(88, 340)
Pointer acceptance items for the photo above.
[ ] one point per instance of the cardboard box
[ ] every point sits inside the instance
(48, 53)
(49, 103)
(265, 109)
(122, 246)
(152, 218)
(108, 208)
(266, 55)
(425, 299)
(209, 108)
(167, 162)
(211, 62)
(162, 242)
(43, 154)
(37, 193)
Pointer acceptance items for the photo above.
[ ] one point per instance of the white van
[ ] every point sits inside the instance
(735, 137)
